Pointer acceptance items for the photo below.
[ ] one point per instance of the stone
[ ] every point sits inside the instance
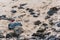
(13, 25)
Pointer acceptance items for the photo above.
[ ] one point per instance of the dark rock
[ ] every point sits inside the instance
(41, 30)
(9, 19)
(47, 17)
(47, 33)
(14, 35)
(8, 36)
(13, 11)
(38, 35)
(31, 10)
(18, 31)
(3, 17)
(51, 38)
(52, 11)
(44, 24)
(57, 38)
(36, 15)
(20, 7)
(32, 13)
(37, 22)
(27, 8)
(58, 24)
(51, 23)
(14, 6)
(34, 34)
(23, 4)
(1, 36)
(13, 25)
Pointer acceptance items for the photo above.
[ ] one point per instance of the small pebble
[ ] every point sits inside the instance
(44, 24)
(20, 7)
(13, 11)
(23, 4)
(31, 10)
(37, 22)
(14, 6)
(27, 8)
(47, 17)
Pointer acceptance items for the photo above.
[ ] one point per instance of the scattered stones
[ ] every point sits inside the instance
(30, 10)
(38, 35)
(26, 12)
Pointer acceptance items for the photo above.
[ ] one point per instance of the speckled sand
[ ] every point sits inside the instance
(39, 6)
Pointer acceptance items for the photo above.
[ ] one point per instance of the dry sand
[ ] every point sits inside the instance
(29, 28)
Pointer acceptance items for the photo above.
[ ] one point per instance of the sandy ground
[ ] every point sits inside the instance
(29, 28)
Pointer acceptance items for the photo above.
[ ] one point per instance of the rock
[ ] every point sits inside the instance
(13, 11)
(52, 11)
(13, 25)
(51, 38)
(1, 36)
(37, 22)
(15, 35)
(58, 24)
(8, 35)
(38, 35)
(18, 30)
(44, 24)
